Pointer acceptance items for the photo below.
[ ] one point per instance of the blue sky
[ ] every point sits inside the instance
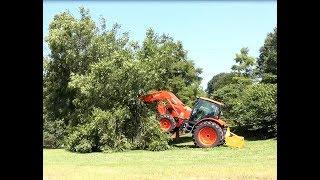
(211, 32)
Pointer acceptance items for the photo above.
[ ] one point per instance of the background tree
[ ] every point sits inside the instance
(267, 60)
(233, 83)
(244, 63)
(218, 81)
(250, 105)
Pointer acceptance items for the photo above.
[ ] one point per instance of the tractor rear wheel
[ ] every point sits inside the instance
(207, 134)
(167, 123)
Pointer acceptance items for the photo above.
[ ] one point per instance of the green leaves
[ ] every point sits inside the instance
(218, 81)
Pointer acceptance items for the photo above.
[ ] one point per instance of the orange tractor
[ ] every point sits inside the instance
(203, 121)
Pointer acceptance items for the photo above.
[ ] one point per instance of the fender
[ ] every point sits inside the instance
(220, 122)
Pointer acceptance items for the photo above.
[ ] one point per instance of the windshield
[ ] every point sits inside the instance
(204, 109)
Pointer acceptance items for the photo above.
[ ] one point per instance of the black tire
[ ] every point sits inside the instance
(171, 119)
(222, 141)
(214, 126)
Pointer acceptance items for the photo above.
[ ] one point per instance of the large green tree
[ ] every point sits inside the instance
(69, 41)
(93, 79)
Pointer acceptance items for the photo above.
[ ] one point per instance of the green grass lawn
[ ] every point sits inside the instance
(257, 160)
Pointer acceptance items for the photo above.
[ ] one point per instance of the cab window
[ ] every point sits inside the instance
(204, 109)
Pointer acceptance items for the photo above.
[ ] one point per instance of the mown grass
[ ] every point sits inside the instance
(256, 161)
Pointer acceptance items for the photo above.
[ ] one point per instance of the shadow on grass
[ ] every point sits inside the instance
(184, 146)
(258, 138)
(180, 142)
(255, 135)
(187, 141)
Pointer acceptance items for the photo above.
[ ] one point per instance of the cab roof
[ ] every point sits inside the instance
(207, 99)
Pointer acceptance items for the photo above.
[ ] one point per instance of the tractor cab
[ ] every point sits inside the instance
(205, 108)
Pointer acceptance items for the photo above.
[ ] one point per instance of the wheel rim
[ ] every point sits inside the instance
(165, 124)
(207, 136)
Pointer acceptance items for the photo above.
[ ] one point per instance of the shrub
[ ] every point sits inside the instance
(151, 137)
(53, 134)
(256, 110)
(82, 139)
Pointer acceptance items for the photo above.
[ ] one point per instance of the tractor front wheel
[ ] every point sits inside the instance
(207, 134)
(167, 123)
